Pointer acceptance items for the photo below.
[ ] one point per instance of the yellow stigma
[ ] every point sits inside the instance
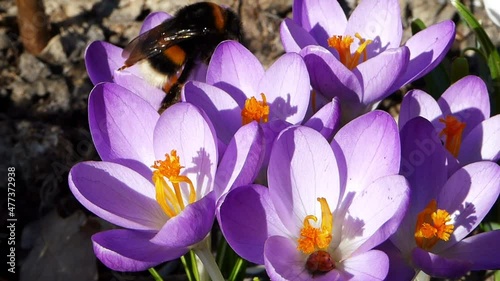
(453, 133)
(167, 180)
(255, 110)
(312, 239)
(343, 46)
(432, 226)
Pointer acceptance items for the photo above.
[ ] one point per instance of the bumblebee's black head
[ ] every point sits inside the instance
(233, 26)
(212, 18)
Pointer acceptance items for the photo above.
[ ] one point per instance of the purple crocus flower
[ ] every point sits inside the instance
(239, 91)
(327, 205)
(461, 117)
(443, 211)
(361, 59)
(157, 178)
(103, 60)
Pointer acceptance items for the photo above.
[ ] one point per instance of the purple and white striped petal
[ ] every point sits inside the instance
(117, 194)
(302, 168)
(128, 250)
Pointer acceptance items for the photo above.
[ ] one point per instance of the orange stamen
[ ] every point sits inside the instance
(312, 239)
(255, 110)
(343, 46)
(169, 197)
(431, 226)
(453, 133)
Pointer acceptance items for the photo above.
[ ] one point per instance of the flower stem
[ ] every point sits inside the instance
(155, 274)
(190, 266)
(202, 250)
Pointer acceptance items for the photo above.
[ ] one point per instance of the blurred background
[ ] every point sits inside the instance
(44, 127)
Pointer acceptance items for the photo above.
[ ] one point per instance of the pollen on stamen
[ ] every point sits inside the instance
(453, 134)
(343, 46)
(255, 110)
(167, 180)
(170, 166)
(316, 238)
(314, 241)
(432, 225)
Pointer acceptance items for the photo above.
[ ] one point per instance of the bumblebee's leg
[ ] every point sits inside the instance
(173, 94)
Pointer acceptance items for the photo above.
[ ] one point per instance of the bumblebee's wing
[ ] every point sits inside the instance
(155, 41)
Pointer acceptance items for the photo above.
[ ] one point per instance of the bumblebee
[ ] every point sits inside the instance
(168, 52)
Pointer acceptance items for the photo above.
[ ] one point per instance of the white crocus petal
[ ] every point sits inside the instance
(493, 10)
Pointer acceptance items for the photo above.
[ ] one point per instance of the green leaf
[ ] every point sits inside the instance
(417, 25)
(469, 18)
(490, 226)
(190, 266)
(459, 69)
(155, 274)
(437, 81)
(488, 49)
(238, 272)
(494, 64)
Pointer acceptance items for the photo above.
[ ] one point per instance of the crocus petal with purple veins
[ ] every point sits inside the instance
(399, 269)
(117, 194)
(286, 86)
(467, 99)
(153, 20)
(482, 142)
(438, 266)
(468, 195)
(419, 103)
(378, 74)
(327, 120)
(220, 107)
(423, 163)
(384, 26)
(242, 159)
(290, 176)
(190, 226)
(294, 37)
(127, 250)
(125, 195)
(482, 250)
(198, 73)
(247, 218)
(180, 128)
(427, 49)
(153, 95)
(121, 124)
(385, 197)
(322, 19)
(284, 262)
(303, 168)
(102, 59)
(271, 131)
(371, 265)
(233, 68)
(371, 148)
(383, 29)
(329, 75)
(423, 160)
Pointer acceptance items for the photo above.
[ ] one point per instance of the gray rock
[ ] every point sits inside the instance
(54, 52)
(31, 68)
(58, 97)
